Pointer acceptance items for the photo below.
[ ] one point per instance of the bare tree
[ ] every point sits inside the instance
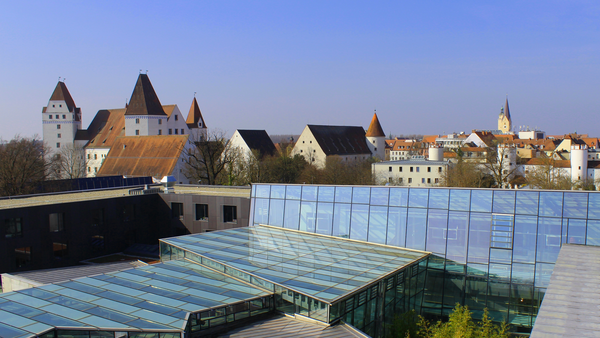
(465, 174)
(208, 158)
(22, 165)
(546, 175)
(68, 163)
(501, 165)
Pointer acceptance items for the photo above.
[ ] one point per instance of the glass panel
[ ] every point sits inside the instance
(549, 231)
(575, 205)
(359, 222)
(551, 204)
(543, 272)
(524, 239)
(292, 214)
(399, 197)
(460, 199)
(293, 192)
(522, 273)
(479, 237)
(278, 191)
(379, 196)
(263, 190)
(326, 194)
(396, 230)
(500, 272)
(416, 228)
(276, 212)
(309, 193)
(481, 200)
(576, 231)
(438, 198)
(261, 209)
(437, 225)
(593, 232)
(527, 202)
(360, 195)
(343, 194)
(308, 215)
(500, 256)
(458, 223)
(594, 205)
(324, 218)
(377, 224)
(504, 202)
(418, 197)
(341, 220)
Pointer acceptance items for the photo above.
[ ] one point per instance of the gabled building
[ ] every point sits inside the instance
(251, 142)
(317, 143)
(61, 119)
(145, 115)
(195, 122)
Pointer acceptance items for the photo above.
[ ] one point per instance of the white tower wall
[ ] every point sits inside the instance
(59, 126)
(579, 162)
(377, 146)
(436, 153)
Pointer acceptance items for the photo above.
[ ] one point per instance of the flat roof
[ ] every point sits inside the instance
(571, 305)
(150, 298)
(87, 195)
(326, 268)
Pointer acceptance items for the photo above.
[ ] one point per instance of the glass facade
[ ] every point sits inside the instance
(490, 248)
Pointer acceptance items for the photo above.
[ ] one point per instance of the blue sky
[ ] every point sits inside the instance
(428, 67)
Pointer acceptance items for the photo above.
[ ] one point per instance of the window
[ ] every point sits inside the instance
(160, 132)
(375, 147)
(410, 180)
(58, 126)
(58, 136)
(89, 169)
(400, 180)
(60, 250)
(418, 169)
(423, 180)
(95, 156)
(229, 213)
(137, 131)
(54, 106)
(88, 156)
(95, 169)
(13, 227)
(57, 144)
(128, 212)
(201, 212)
(98, 217)
(97, 243)
(64, 117)
(170, 131)
(137, 121)
(390, 169)
(400, 169)
(160, 121)
(429, 180)
(437, 180)
(176, 117)
(439, 169)
(22, 256)
(57, 117)
(411, 169)
(176, 131)
(502, 231)
(428, 169)
(56, 222)
(50, 117)
(182, 132)
(177, 210)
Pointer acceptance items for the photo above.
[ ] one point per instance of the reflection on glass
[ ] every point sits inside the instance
(522, 273)
(548, 242)
(460, 199)
(309, 193)
(308, 215)
(527, 202)
(438, 198)
(593, 232)
(379, 196)
(504, 202)
(278, 191)
(437, 225)
(261, 211)
(292, 214)
(417, 198)
(360, 195)
(341, 220)
(293, 192)
(396, 234)
(377, 224)
(415, 228)
(576, 231)
(479, 237)
(359, 222)
(324, 218)
(524, 240)
(276, 212)
(343, 194)
(458, 223)
(551, 204)
(542, 274)
(326, 193)
(481, 200)
(575, 205)
(399, 197)
(594, 205)
(263, 191)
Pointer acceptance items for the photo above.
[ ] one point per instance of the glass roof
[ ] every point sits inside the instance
(151, 298)
(323, 267)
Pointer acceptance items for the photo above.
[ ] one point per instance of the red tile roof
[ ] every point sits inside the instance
(375, 129)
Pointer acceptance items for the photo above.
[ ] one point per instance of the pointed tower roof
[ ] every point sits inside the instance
(61, 93)
(506, 110)
(375, 129)
(194, 118)
(143, 99)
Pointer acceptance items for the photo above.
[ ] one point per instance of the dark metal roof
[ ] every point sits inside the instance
(340, 140)
(143, 99)
(375, 129)
(258, 140)
(506, 110)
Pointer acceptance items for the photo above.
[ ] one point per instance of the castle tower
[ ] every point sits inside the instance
(60, 119)
(579, 162)
(145, 115)
(507, 158)
(436, 153)
(195, 122)
(504, 120)
(376, 138)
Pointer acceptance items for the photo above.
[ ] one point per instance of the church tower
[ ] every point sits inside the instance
(504, 120)
(376, 138)
(145, 115)
(61, 119)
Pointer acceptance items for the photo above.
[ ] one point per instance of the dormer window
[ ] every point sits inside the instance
(199, 124)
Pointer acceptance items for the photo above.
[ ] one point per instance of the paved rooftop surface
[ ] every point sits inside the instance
(571, 306)
(44, 199)
(284, 326)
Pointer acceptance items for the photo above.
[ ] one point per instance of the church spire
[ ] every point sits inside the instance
(375, 129)
(506, 110)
